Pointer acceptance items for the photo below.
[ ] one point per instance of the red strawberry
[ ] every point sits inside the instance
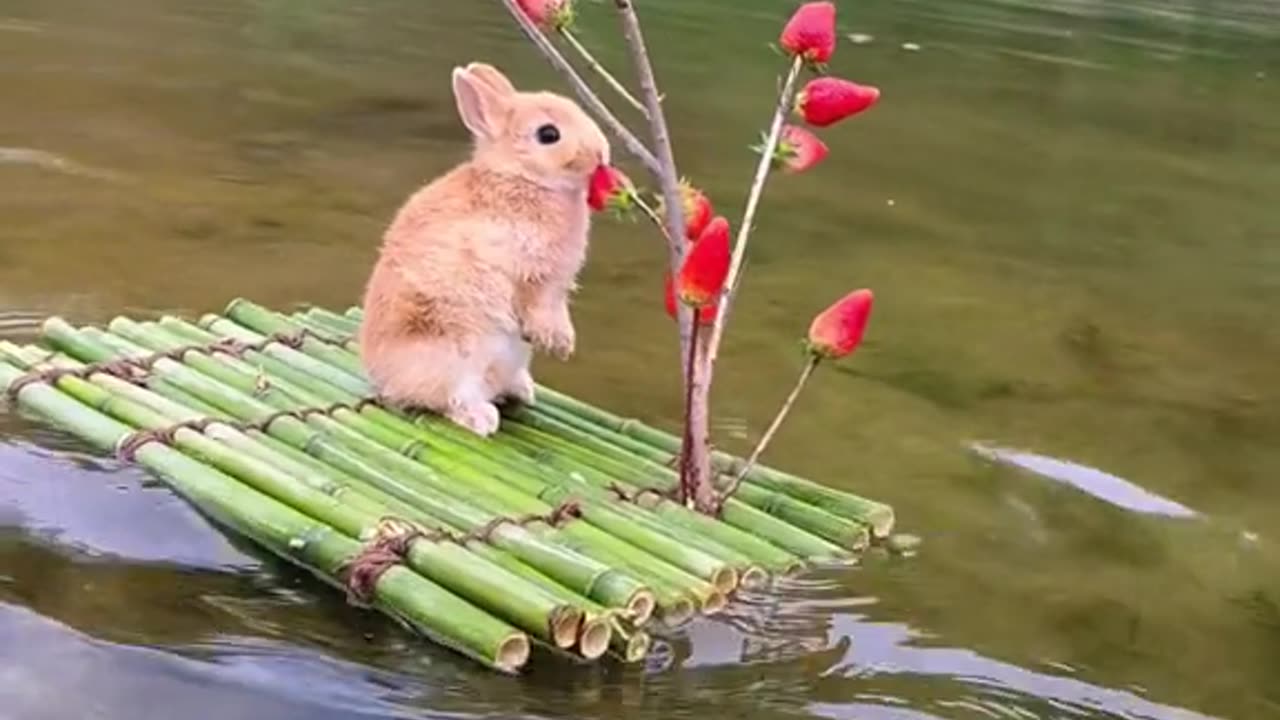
(828, 100)
(810, 34)
(609, 188)
(706, 266)
(837, 331)
(706, 315)
(800, 149)
(548, 14)
(697, 210)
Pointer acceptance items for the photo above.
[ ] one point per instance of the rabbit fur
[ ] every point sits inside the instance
(476, 269)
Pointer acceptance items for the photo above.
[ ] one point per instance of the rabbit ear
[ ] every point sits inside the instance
(478, 104)
(491, 76)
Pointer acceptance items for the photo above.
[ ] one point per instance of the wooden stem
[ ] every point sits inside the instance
(600, 70)
(772, 430)
(703, 372)
(667, 176)
(697, 386)
(653, 216)
(686, 488)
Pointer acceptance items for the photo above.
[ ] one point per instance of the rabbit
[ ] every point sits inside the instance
(476, 269)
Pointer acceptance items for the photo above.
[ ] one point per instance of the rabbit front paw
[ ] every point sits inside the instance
(552, 333)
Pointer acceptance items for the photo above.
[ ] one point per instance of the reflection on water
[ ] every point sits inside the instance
(49, 161)
(1102, 485)
(1065, 207)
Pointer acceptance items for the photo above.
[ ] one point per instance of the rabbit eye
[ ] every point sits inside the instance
(548, 134)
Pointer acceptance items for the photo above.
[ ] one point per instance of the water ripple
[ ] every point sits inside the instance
(1102, 485)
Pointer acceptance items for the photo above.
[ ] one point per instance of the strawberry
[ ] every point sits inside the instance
(837, 331)
(799, 149)
(548, 14)
(610, 188)
(810, 34)
(706, 266)
(706, 315)
(697, 210)
(827, 100)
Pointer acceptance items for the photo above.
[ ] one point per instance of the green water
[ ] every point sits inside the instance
(1066, 210)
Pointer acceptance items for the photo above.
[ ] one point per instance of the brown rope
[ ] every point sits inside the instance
(129, 445)
(122, 368)
(136, 369)
(558, 516)
(127, 448)
(635, 497)
(389, 547)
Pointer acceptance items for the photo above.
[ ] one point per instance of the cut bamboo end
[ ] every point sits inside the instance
(678, 612)
(725, 579)
(566, 622)
(793, 569)
(638, 646)
(641, 606)
(594, 639)
(513, 653)
(881, 519)
(754, 578)
(715, 602)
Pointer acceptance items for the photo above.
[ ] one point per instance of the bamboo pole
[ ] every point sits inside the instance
(810, 518)
(718, 576)
(356, 515)
(669, 583)
(878, 516)
(595, 580)
(804, 529)
(399, 592)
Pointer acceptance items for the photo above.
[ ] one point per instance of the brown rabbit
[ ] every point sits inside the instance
(481, 262)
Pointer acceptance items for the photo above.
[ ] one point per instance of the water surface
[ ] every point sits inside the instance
(1066, 209)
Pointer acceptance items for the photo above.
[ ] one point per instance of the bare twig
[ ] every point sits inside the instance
(699, 415)
(652, 215)
(600, 70)
(696, 465)
(583, 90)
(686, 490)
(753, 202)
(772, 430)
(666, 174)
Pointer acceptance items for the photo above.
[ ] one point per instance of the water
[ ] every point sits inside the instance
(1066, 210)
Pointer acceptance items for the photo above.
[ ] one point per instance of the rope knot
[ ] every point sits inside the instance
(390, 544)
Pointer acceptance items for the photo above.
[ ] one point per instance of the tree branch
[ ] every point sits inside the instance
(607, 76)
(696, 460)
(772, 430)
(583, 90)
(666, 174)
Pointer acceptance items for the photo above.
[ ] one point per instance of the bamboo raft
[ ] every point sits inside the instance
(558, 531)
